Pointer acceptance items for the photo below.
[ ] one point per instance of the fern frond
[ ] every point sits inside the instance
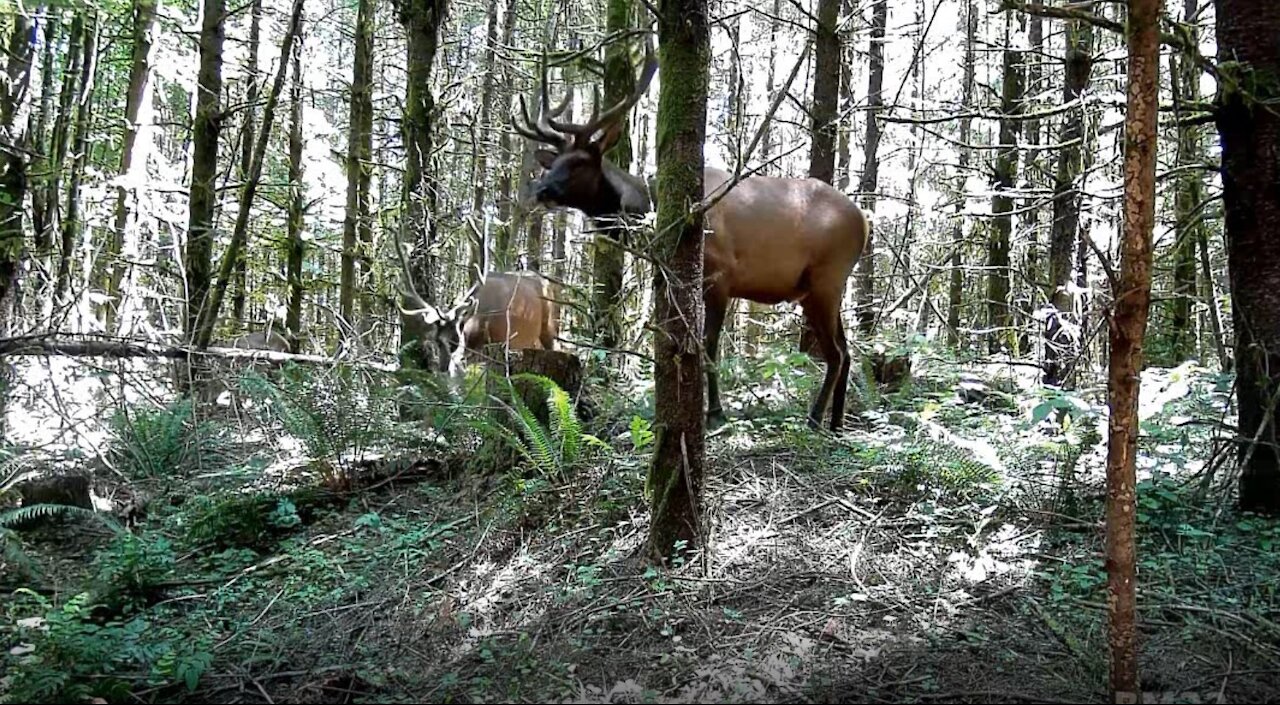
(20, 515)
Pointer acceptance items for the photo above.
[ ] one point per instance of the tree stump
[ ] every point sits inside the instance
(560, 367)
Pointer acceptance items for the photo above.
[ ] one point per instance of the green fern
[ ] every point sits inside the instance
(558, 445)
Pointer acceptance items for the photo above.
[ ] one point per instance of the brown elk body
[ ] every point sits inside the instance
(516, 310)
(769, 239)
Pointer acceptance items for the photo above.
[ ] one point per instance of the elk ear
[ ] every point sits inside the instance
(545, 157)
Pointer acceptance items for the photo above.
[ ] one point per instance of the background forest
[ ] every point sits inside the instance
(235, 465)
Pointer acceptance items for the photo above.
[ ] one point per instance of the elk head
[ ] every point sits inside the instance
(441, 329)
(576, 173)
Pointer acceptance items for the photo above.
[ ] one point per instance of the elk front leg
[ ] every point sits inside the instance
(716, 305)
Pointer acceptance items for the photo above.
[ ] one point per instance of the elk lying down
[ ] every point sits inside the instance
(769, 239)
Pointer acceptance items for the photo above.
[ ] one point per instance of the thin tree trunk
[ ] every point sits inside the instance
(61, 139)
(756, 311)
(13, 166)
(1034, 253)
(1211, 298)
(297, 204)
(826, 93)
(608, 258)
(246, 149)
(356, 225)
(559, 232)
(204, 165)
(144, 16)
(71, 224)
(1250, 132)
(1128, 326)
(1064, 231)
(847, 57)
(422, 20)
(955, 294)
(869, 182)
(480, 186)
(1189, 197)
(675, 475)
(507, 220)
(1006, 174)
(209, 313)
(41, 164)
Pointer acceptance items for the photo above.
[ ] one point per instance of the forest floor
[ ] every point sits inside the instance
(946, 547)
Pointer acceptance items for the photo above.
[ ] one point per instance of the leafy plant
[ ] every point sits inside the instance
(150, 442)
(641, 433)
(131, 567)
(553, 447)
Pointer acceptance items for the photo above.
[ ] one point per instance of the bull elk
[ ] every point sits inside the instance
(516, 310)
(768, 239)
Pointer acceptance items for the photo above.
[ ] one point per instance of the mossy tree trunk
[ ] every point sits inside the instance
(675, 475)
(246, 150)
(297, 207)
(1188, 198)
(826, 93)
(1060, 345)
(955, 292)
(13, 165)
(608, 260)
(72, 224)
(1006, 175)
(204, 163)
(869, 182)
(357, 225)
(422, 20)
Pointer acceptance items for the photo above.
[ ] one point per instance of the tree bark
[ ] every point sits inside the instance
(608, 259)
(41, 164)
(848, 103)
(297, 206)
(1064, 231)
(1250, 132)
(246, 149)
(479, 247)
(422, 20)
(868, 184)
(675, 474)
(209, 313)
(1006, 174)
(204, 164)
(1128, 326)
(826, 92)
(131, 179)
(47, 222)
(955, 293)
(1189, 197)
(13, 165)
(71, 224)
(357, 227)
(507, 219)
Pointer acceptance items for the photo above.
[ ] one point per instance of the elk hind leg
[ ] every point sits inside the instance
(716, 305)
(824, 318)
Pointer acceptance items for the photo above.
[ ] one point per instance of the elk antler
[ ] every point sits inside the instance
(547, 129)
(598, 121)
(541, 130)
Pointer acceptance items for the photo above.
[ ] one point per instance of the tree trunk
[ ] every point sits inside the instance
(61, 138)
(1064, 231)
(422, 20)
(868, 184)
(1031, 217)
(608, 258)
(246, 150)
(507, 220)
(675, 475)
(41, 165)
(848, 104)
(1189, 197)
(209, 313)
(297, 204)
(13, 166)
(826, 92)
(756, 311)
(955, 293)
(204, 164)
(479, 225)
(1006, 174)
(357, 228)
(1246, 30)
(71, 224)
(1128, 326)
(144, 16)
